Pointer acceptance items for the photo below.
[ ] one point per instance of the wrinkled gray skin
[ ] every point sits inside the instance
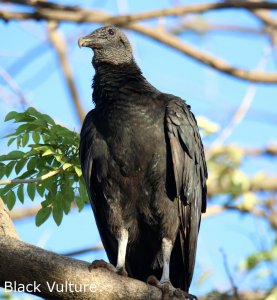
(110, 45)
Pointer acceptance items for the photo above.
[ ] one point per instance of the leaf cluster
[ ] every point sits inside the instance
(45, 146)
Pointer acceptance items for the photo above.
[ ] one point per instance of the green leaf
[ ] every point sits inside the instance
(5, 190)
(9, 167)
(48, 152)
(36, 137)
(2, 170)
(18, 142)
(20, 165)
(20, 193)
(66, 205)
(13, 155)
(25, 139)
(48, 119)
(57, 211)
(40, 189)
(10, 199)
(80, 203)
(31, 190)
(42, 215)
(11, 115)
(83, 191)
(27, 174)
(10, 141)
(66, 166)
(22, 128)
(78, 171)
(32, 163)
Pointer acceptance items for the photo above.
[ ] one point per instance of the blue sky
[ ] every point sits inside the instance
(210, 94)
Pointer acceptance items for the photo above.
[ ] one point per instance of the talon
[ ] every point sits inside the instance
(101, 264)
(152, 280)
(189, 296)
(122, 272)
(166, 289)
(178, 293)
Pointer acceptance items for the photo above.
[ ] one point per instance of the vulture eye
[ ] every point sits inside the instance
(111, 32)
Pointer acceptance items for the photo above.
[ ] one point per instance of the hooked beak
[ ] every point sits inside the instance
(86, 41)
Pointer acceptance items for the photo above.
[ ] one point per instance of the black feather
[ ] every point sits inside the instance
(144, 167)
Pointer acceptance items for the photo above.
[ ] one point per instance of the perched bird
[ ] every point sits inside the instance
(144, 167)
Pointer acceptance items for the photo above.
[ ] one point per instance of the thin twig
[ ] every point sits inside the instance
(85, 250)
(59, 45)
(37, 179)
(244, 106)
(229, 275)
(14, 87)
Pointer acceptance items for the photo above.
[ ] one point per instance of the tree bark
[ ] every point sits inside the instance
(41, 270)
(26, 264)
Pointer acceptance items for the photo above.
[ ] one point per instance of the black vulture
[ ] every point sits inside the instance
(144, 167)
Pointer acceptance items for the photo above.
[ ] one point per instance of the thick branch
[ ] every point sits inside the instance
(161, 36)
(25, 263)
(6, 226)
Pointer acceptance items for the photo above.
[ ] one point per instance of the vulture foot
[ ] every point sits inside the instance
(168, 291)
(104, 265)
(101, 264)
(122, 272)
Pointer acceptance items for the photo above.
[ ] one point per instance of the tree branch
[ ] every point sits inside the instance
(244, 106)
(13, 86)
(24, 263)
(6, 225)
(266, 184)
(204, 58)
(161, 36)
(129, 18)
(25, 212)
(59, 45)
(217, 209)
(38, 179)
(85, 250)
(203, 27)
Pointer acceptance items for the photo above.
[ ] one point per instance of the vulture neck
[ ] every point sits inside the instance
(109, 78)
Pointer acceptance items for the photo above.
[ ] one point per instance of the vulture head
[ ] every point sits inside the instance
(110, 45)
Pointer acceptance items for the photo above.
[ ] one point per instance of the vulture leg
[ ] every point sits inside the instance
(164, 284)
(166, 250)
(121, 256)
(122, 247)
(167, 288)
